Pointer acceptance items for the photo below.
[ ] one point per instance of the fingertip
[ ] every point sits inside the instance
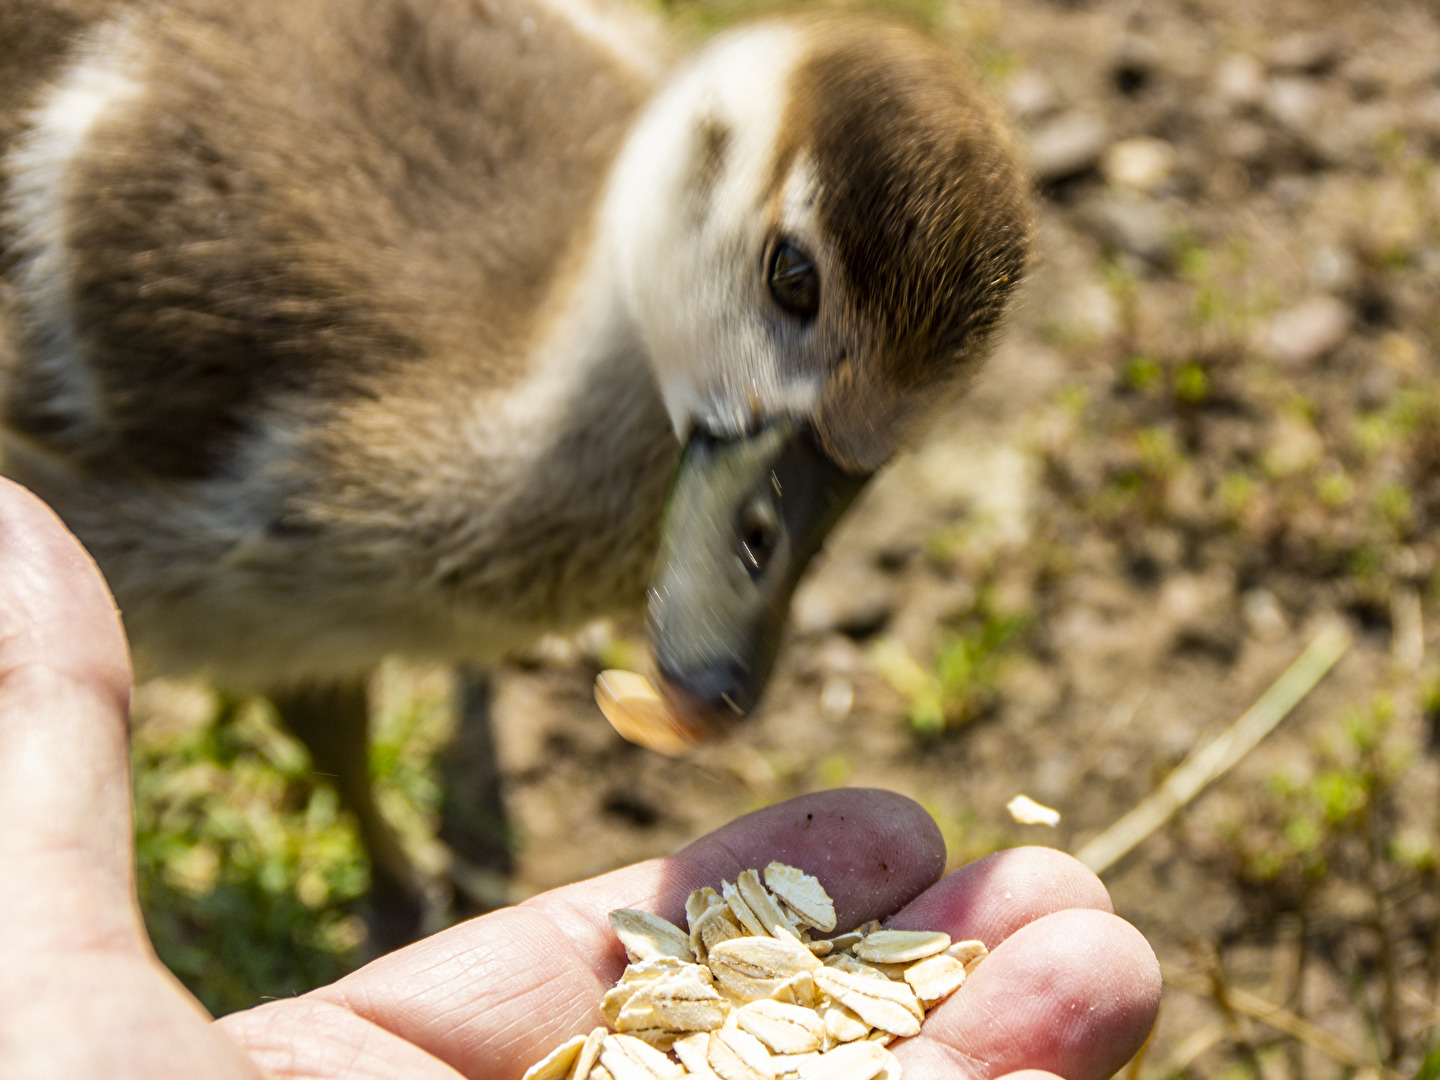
(1100, 992)
(55, 608)
(1074, 993)
(65, 835)
(872, 850)
(993, 897)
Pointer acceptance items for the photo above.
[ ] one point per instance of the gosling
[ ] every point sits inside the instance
(354, 328)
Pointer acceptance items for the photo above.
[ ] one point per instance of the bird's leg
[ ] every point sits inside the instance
(333, 721)
(472, 819)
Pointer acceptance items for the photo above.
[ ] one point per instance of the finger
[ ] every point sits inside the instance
(991, 898)
(1074, 993)
(64, 775)
(494, 995)
(871, 850)
(310, 1039)
(77, 960)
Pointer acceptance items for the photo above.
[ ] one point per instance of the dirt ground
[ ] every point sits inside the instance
(1213, 428)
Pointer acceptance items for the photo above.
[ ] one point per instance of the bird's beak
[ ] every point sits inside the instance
(744, 518)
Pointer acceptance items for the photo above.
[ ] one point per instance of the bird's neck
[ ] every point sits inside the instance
(582, 458)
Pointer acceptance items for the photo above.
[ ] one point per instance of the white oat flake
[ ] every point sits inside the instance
(743, 994)
(1027, 811)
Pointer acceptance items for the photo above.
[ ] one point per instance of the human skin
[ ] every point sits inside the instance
(1069, 988)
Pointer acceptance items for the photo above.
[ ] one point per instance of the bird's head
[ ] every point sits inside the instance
(820, 222)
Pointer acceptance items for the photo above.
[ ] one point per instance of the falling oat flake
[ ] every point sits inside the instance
(1027, 811)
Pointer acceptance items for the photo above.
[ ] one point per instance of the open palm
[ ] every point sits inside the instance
(1069, 988)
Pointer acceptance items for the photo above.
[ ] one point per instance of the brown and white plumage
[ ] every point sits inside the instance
(281, 312)
(359, 327)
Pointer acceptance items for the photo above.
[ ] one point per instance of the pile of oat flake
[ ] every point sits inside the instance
(749, 994)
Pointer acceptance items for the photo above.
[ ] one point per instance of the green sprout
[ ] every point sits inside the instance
(1142, 372)
(1192, 384)
(960, 684)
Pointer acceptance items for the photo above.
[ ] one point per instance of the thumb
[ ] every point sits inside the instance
(65, 834)
(81, 993)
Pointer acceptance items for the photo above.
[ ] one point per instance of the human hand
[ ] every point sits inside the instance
(1069, 988)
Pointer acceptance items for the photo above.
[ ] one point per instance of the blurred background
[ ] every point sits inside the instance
(1213, 429)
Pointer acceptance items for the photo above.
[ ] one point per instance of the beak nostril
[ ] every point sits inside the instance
(759, 530)
(710, 695)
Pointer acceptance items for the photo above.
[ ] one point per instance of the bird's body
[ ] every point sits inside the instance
(322, 370)
(356, 327)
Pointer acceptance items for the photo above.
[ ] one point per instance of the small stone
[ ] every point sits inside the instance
(1134, 224)
(1066, 146)
(1295, 446)
(1294, 102)
(1240, 81)
(1141, 164)
(1303, 334)
(1307, 51)
(1332, 267)
(851, 598)
(1246, 142)
(837, 697)
(1263, 614)
(1031, 95)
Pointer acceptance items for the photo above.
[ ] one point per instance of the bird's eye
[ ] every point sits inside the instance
(794, 281)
